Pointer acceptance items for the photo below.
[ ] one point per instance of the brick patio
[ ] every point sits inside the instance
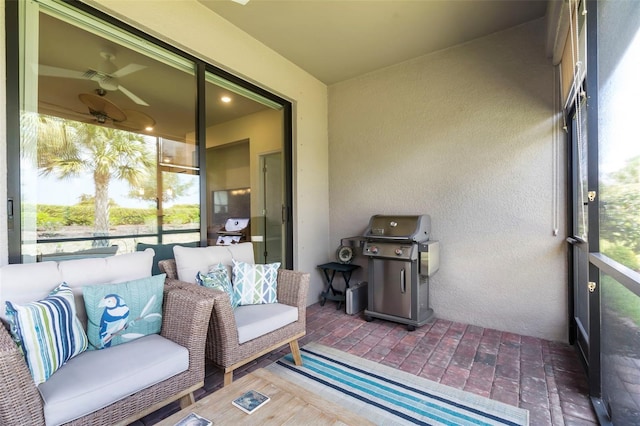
(542, 376)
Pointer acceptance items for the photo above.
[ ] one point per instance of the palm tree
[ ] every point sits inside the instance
(69, 149)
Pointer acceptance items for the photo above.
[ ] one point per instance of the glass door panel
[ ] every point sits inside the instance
(96, 125)
(618, 43)
(273, 207)
(241, 127)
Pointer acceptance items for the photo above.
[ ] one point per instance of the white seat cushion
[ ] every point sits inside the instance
(95, 379)
(256, 320)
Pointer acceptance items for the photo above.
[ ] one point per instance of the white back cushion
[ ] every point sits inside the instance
(29, 282)
(191, 260)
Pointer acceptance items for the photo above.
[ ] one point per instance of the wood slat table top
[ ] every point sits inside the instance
(290, 405)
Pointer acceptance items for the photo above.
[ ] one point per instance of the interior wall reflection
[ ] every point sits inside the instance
(241, 129)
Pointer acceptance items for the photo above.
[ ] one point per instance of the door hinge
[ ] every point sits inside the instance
(591, 286)
(591, 195)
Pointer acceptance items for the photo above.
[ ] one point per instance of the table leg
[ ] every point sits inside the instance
(323, 296)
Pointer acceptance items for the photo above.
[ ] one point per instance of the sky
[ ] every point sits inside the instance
(67, 192)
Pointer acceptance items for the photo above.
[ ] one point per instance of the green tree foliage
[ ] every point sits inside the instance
(620, 213)
(182, 214)
(53, 218)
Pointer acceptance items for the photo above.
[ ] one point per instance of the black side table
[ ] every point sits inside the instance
(330, 270)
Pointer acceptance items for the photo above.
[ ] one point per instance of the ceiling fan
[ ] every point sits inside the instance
(107, 77)
(103, 110)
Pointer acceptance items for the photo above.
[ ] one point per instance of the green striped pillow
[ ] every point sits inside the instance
(48, 331)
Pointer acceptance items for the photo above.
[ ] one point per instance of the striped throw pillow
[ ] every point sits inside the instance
(255, 284)
(48, 331)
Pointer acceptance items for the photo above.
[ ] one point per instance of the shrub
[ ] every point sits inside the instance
(621, 254)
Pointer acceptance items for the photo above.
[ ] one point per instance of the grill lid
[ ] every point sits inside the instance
(405, 228)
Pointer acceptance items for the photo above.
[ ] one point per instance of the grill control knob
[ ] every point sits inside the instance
(373, 249)
(399, 251)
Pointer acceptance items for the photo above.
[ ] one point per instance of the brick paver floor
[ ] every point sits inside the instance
(542, 376)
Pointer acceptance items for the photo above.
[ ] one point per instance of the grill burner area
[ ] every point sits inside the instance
(401, 260)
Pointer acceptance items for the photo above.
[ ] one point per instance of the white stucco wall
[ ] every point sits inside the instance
(465, 135)
(192, 27)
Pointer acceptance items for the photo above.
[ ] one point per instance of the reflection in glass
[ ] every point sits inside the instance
(108, 149)
(242, 127)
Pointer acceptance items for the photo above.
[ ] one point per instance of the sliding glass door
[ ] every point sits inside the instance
(237, 196)
(618, 260)
(116, 133)
(107, 146)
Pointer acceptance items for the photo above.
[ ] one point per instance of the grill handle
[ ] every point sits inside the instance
(403, 282)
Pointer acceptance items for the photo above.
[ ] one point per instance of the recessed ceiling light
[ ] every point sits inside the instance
(148, 128)
(225, 99)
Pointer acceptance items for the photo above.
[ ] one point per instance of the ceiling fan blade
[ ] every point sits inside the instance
(56, 110)
(102, 108)
(136, 120)
(133, 97)
(50, 71)
(131, 68)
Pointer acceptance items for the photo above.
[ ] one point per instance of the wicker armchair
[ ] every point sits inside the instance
(223, 347)
(184, 322)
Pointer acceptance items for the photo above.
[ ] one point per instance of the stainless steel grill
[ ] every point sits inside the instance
(401, 260)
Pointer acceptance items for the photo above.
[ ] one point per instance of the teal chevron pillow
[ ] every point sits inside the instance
(48, 331)
(119, 313)
(218, 278)
(255, 284)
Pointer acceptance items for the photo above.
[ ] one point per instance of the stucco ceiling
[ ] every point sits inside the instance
(335, 40)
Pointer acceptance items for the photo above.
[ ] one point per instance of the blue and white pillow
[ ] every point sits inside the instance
(218, 278)
(120, 313)
(48, 331)
(255, 284)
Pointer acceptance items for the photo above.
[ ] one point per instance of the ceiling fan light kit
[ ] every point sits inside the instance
(102, 108)
(106, 111)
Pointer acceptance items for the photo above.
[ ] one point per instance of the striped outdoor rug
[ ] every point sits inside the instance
(387, 396)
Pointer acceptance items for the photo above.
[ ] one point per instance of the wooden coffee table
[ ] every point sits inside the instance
(290, 404)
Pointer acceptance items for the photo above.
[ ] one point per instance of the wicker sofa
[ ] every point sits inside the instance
(184, 319)
(224, 347)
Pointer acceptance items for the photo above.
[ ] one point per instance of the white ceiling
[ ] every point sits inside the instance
(335, 40)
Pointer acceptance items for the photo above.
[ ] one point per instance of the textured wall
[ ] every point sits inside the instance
(465, 135)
